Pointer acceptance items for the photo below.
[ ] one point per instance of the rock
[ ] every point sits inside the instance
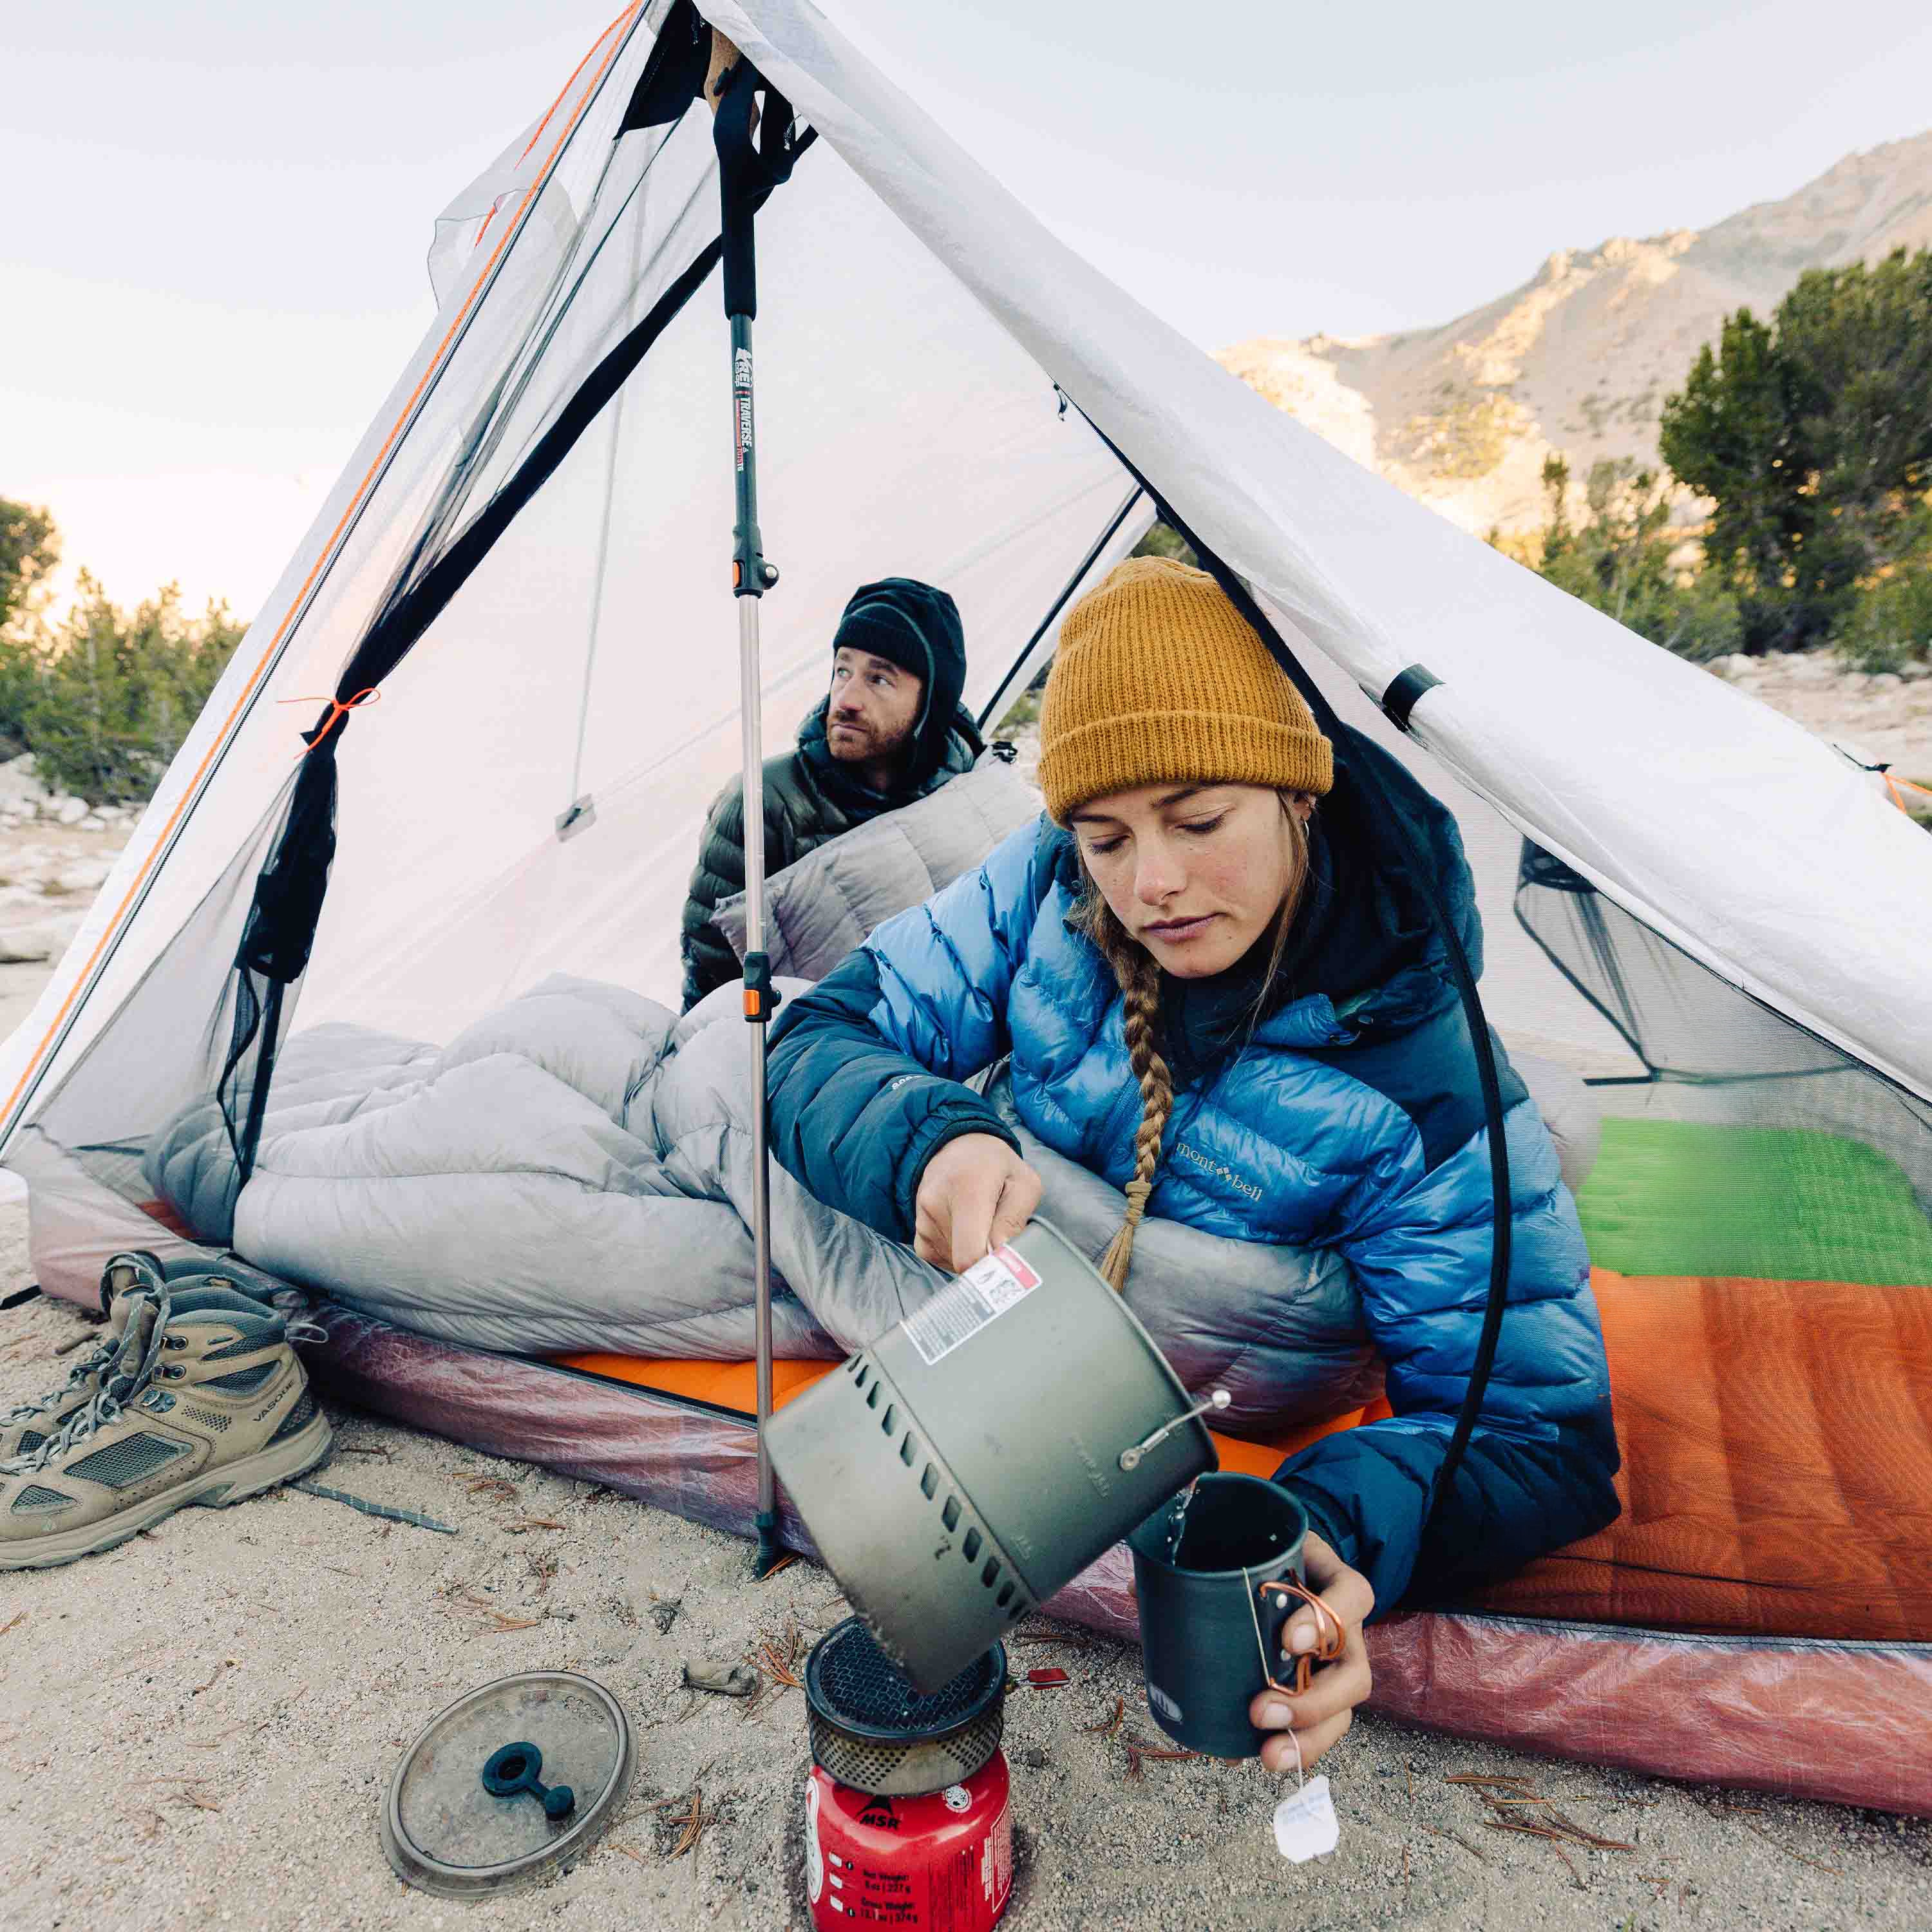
(56, 934)
(86, 875)
(23, 894)
(734, 1680)
(47, 939)
(94, 822)
(1884, 680)
(20, 781)
(69, 810)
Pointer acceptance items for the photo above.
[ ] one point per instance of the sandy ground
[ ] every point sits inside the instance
(33, 858)
(199, 1726)
(195, 1729)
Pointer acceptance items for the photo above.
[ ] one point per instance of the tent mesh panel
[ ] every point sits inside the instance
(1747, 1147)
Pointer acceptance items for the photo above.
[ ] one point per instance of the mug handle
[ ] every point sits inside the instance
(1274, 1615)
(1274, 1619)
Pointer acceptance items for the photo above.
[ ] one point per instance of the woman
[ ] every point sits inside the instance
(1220, 990)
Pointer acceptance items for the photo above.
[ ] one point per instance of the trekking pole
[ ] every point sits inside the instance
(755, 151)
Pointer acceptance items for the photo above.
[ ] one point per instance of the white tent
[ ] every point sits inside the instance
(526, 796)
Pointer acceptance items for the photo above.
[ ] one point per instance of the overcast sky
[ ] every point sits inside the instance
(211, 264)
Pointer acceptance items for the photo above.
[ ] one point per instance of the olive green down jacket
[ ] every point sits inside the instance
(810, 799)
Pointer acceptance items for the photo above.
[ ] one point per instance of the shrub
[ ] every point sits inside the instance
(104, 698)
(1618, 560)
(1890, 626)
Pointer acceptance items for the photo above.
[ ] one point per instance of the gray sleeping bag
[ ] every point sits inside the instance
(575, 1172)
(827, 904)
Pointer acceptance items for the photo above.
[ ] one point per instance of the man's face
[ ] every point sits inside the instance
(873, 705)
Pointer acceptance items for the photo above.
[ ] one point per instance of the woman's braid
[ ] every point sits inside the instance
(1139, 981)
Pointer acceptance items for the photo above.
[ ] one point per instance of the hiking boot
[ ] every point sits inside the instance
(25, 1427)
(203, 1401)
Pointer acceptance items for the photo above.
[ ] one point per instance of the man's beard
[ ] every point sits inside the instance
(852, 743)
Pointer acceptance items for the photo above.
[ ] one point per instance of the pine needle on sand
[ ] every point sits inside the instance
(1109, 1726)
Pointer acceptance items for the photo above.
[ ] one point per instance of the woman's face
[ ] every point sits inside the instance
(1195, 873)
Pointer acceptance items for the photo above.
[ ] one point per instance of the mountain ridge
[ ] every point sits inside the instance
(1577, 360)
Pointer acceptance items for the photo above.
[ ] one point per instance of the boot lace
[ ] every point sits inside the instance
(104, 1406)
(97, 1358)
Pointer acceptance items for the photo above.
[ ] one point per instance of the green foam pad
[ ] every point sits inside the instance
(1775, 1204)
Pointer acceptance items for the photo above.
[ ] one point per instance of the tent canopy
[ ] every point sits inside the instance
(916, 321)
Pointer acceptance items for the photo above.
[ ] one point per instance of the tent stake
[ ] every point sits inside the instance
(747, 170)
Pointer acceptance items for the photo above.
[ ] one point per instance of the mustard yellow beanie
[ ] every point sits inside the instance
(1159, 679)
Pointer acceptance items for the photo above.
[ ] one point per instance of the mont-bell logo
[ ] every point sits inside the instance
(1219, 1170)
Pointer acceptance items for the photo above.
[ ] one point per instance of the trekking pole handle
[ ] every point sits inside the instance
(757, 144)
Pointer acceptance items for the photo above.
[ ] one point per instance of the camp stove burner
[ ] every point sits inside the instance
(872, 1730)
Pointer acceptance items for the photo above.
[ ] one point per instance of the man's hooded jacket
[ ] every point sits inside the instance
(1346, 1117)
(811, 797)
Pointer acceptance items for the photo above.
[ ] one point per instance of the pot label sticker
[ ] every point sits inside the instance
(967, 1303)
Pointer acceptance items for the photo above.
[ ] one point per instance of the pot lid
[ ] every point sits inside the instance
(515, 1779)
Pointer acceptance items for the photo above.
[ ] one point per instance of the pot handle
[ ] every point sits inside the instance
(1130, 1458)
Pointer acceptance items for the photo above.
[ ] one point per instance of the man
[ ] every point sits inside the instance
(890, 730)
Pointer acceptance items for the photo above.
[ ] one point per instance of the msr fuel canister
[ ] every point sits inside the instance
(907, 1822)
(941, 1863)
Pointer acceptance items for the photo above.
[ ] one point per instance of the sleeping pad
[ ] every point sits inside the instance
(573, 1172)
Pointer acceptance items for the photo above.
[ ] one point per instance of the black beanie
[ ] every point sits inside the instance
(916, 626)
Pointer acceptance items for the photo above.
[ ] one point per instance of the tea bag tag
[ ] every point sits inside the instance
(1305, 1826)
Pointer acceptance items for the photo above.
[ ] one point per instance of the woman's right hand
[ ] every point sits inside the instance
(976, 1193)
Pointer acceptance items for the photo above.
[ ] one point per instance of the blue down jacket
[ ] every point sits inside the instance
(1350, 1118)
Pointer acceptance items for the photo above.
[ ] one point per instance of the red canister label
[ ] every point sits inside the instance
(942, 1863)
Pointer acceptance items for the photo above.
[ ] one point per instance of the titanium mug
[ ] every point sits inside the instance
(1212, 1570)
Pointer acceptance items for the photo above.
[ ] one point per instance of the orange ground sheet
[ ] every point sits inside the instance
(1777, 1441)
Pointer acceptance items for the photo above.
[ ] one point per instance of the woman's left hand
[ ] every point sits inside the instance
(1323, 1712)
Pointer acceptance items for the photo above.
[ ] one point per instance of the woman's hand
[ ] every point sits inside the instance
(975, 1193)
(1320, 1715)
